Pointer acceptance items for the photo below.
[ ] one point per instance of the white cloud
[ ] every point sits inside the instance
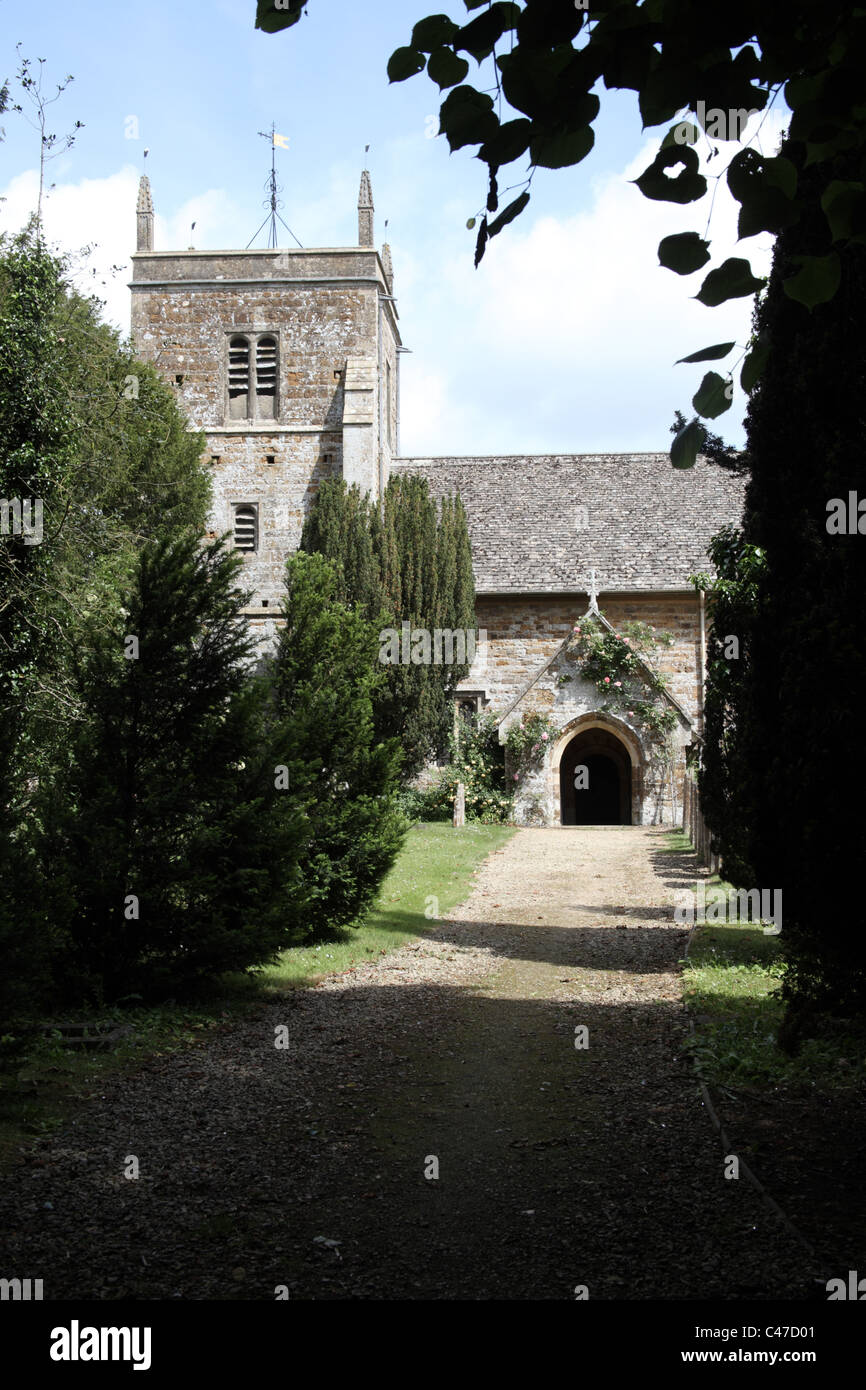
(565, 339)
(94, 221)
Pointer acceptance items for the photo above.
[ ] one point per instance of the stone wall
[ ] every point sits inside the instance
(524, 632)
(327, 310)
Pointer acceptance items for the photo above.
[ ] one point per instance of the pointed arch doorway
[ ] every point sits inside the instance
(599, 763)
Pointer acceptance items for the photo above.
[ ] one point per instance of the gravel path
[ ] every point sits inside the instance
(558, 1167)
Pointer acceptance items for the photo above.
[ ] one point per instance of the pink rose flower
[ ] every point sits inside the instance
(617, 682)
(544, 738)
(515, 776)
(607, 680)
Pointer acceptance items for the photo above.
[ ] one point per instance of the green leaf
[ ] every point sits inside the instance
(481, 242)
(800, 90)
(713, 396)
(405, 62)
(433, 32)
(816, 281)
(479, 36)
(731, 280)
(765, 188)
(271, 20)
(467, 117)
(445, 68)
(683, 133)
(529, 82)
(817, 152)
(844, 205)
(663, 92)
(684, 253)
(684, 449)
(470, 223)
(781, 173)
(708, 354)
(558, 151)
(767, 210)
(508, 214)
(753, 365)
(688, 186)
(510, 142)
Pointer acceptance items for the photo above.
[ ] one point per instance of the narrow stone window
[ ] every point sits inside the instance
(246, 527)
(239, 379)
(266, 378)
(388, 404)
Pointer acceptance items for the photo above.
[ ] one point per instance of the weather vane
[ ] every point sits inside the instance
(273, 202)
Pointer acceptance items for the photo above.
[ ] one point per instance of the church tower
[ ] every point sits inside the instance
(288, 362)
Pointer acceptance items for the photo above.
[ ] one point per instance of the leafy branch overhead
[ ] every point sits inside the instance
(533, 97)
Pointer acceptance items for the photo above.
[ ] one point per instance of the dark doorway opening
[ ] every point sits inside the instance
(595, 780)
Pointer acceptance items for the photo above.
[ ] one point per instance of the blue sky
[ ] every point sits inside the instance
(564, 339)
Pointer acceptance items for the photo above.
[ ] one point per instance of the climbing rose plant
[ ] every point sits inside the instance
(476, 761)
(527, 743)
(618, 664)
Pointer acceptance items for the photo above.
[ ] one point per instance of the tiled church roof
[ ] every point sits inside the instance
(645, 524)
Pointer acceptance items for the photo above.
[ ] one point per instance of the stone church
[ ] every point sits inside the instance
(289, 362)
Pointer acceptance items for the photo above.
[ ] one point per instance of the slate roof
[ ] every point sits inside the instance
(648, 523)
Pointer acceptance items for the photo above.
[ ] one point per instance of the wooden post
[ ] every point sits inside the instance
(460, 805)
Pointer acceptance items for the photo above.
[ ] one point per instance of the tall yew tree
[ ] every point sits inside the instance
(804, 755)
(406, 562)
(344, 774)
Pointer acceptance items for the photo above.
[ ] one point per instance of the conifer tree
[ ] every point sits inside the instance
(404, 563)
(326, 678)
(175, 852)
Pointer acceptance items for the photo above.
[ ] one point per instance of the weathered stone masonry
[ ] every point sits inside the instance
(333, 317)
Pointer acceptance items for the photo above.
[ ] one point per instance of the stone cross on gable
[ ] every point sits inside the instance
(593, 593)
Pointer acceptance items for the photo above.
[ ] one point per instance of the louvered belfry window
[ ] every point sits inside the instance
(253, 373)
(239, 378)
(266, 377)
(246, 530)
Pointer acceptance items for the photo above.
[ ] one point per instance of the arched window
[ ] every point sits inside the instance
(239, 378)
(246, 527)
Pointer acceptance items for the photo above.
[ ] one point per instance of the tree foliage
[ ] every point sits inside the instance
(344, 775)
(724, 780)
(174, 856)
(408, 562)
(806, 440)
(783, 742)
(539, 66)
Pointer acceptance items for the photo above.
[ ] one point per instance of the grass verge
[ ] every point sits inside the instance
(731, 983)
